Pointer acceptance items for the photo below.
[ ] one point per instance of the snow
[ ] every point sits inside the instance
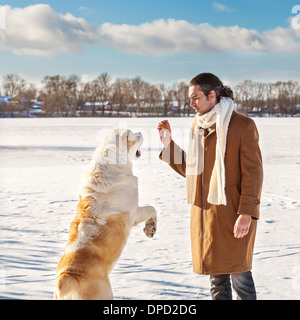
(41, 165)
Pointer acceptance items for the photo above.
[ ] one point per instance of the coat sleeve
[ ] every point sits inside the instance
(251, 171)
(175, 157)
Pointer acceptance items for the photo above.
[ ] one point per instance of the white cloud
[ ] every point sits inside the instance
(221, 7)
(40, 31)
(163, 37)
(86, 10)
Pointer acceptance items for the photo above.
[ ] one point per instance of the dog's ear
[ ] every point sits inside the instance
(116, 132)
(130, 139)
(105, 152)
(124, 138)
(121, 137)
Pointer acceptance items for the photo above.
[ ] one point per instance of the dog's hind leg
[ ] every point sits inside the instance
(66, 284)
(104, 291)
(94, 289)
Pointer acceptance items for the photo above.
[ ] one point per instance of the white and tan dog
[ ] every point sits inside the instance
(107, 209)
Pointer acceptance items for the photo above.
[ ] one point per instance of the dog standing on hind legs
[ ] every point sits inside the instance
(106, 211)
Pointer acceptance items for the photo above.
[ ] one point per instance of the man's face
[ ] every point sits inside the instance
(200, 102)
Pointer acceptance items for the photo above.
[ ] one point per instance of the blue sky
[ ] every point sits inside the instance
(160, 41)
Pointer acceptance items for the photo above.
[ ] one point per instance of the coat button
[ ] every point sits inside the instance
(256, 201)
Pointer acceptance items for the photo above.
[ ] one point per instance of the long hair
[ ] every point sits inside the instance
(208, 82)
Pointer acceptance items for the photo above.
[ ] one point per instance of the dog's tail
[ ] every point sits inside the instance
(66, 285)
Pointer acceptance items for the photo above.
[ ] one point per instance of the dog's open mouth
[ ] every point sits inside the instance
(138, 153)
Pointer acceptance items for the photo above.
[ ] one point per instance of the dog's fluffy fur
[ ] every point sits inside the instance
(107, 209)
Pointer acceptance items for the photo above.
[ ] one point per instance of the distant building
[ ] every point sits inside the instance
(5, 99)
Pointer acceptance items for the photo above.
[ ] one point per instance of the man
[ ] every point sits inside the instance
(223, 168)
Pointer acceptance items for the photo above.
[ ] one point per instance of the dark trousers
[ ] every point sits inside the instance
(242, 284)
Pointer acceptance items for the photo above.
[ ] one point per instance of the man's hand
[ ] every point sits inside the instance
(242, 225)
(164, 130)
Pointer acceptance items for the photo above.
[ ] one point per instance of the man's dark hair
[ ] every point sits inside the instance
(208, 82)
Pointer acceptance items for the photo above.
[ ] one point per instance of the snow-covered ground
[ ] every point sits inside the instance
(41, 165)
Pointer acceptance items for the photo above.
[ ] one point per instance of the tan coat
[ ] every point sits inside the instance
(214, 248)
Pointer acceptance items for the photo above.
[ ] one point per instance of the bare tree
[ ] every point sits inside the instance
(138, 91)
(180, 93)
(122, 94)
(26, 97)
(167, 97)
(152, 98)
(89, 94)
(70, 88)
(293, 92)
(103, 89)
(52, 94)
(21, 93)
(244, 93)
(13, 84)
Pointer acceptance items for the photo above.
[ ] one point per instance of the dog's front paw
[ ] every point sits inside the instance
(150, 228)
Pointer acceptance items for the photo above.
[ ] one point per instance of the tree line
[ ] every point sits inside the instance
(103, 96)
(278, 98)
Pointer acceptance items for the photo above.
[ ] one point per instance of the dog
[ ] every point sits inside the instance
(106, 211)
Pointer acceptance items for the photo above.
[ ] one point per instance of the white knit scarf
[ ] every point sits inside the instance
(219, 115)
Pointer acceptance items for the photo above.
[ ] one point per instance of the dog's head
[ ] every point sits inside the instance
(129, 143)
(121, 146)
